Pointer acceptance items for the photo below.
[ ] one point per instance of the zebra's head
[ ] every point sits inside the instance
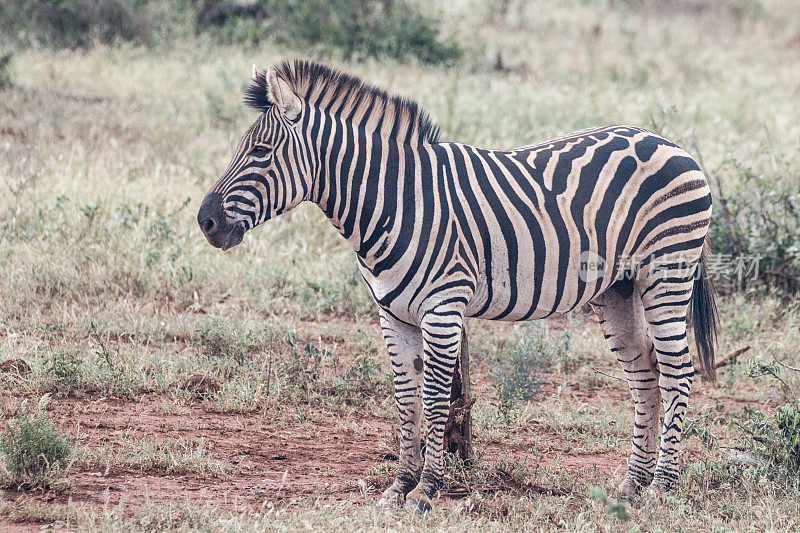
(269, 172)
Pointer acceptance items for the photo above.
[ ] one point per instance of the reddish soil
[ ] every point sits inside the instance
(268, 459)
(274, 457)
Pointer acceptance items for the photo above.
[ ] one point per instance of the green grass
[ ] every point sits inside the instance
(109, 290)
(35, 453)
(168, 457)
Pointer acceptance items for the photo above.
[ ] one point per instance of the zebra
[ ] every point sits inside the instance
(616, 217)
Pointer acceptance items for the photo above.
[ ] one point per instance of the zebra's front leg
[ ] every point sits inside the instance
(441, 335)
(404, 344)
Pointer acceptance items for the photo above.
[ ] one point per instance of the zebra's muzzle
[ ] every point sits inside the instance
(234, 237)
(219, 231)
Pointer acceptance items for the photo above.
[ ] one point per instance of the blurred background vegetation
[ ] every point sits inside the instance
(390, 28)
(524, 42)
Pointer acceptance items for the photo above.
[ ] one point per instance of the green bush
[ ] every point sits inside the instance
(758, 233)
(76, 23)
(378, 28)
(518, 371)
(775, 438)
(35, 452)
(65, 369)
(312, 374)
(227, 340)
(355, 28)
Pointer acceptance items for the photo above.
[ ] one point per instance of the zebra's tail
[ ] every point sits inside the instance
(705, 317)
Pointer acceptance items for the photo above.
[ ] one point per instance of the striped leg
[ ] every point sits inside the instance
(404, 344)
(665, 296)
(622, 318)
(441, 333)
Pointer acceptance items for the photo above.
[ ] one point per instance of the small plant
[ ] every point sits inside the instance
(224, 340)
(66, 369)
(613, 507)
(787, 421)
(219, 341)
(310, 373)
(35, 452)
(775, 438)
(757, 368)
(756, 238)
(517, 372)
(693, 428)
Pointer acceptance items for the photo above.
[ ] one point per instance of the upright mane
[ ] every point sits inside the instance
(348, 97)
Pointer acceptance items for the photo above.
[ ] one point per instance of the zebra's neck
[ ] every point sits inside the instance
(364, 180)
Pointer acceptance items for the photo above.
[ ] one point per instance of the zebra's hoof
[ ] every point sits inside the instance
(389, 501)
(630, 488)
(384, 503)
(418, 502)
(391, 497)
(418, 506)
(658, 491)
(663, 485)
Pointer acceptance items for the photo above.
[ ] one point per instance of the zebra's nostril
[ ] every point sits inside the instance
(209, 226)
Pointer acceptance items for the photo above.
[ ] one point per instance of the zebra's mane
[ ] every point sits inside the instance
(348, 97)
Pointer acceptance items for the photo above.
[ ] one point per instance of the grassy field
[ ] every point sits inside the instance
(249, 390)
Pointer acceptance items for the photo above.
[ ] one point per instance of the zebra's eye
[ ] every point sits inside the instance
(259, 151)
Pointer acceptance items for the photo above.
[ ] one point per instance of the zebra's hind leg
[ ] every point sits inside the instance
(404, 344)
(621, 316)
(665, 294)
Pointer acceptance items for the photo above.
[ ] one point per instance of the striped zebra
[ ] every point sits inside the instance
(615, 217)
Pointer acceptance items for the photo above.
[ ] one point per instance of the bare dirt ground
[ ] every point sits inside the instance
(272, 457)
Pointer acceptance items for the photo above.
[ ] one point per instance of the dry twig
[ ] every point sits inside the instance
(731, 356)
(612, 376)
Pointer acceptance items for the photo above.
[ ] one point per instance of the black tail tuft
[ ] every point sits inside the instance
(705, 318)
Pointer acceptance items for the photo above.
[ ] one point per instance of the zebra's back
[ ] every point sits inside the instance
(552, 225)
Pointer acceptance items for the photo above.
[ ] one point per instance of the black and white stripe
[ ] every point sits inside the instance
(444, 231)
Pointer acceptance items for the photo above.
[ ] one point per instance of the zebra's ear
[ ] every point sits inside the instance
(280, 94)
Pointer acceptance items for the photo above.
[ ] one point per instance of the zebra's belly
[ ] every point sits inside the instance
(534, 293)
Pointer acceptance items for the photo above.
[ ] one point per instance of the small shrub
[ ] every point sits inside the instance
(774, 438)
(517, 372)
(756, 237)
(66, 370)
(310, 373)
(694, 428)
(321, 296)
(35, 452)
(617, 509)
(363, 377)
(222, 340)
